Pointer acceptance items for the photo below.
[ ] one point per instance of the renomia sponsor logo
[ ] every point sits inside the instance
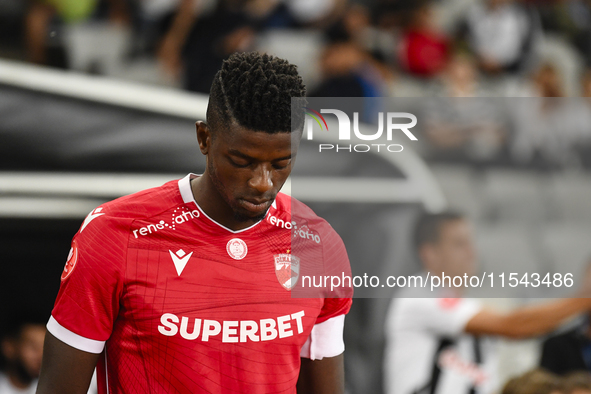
(297, 232)
(179, 216)
(305, 233)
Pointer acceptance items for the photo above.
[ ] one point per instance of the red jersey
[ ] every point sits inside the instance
(178, 303)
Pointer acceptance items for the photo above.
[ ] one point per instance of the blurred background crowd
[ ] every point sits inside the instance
(349, 48)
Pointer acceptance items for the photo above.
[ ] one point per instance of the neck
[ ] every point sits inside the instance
(206, 195)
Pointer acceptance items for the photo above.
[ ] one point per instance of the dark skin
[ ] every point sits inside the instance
(65, 369)
(326, 376)
(245, 171)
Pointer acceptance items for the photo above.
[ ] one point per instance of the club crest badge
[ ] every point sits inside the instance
(71, 262)
(237, 248)
(287, 269)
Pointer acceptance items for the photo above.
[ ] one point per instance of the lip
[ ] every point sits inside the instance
(255, 206)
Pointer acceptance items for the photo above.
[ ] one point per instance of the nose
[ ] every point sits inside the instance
(261, 179)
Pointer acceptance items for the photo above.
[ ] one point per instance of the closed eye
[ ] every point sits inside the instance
(282, 164)
(240, 163)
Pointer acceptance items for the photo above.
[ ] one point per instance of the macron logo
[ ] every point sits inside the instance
(180, 259)
(91, 216)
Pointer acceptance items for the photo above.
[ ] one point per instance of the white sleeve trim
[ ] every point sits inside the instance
(73, 339)
(325, 340)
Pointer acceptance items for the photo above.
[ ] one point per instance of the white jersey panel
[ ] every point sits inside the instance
(417, 328)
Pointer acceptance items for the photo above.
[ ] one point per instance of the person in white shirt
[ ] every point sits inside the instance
(504, 34)
(442, 344)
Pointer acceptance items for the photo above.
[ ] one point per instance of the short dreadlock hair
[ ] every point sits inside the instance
(255, 91)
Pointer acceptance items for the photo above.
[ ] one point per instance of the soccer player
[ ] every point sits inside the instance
(444, 345)
(185, 288)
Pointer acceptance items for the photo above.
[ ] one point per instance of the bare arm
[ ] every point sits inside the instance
(65, 370)
(326, 376)
(169, 53)
(527, 321)
(36, 24)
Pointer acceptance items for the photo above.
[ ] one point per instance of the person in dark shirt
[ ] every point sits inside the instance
(568, 352)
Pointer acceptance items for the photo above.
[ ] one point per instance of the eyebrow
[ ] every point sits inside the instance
(235, 152)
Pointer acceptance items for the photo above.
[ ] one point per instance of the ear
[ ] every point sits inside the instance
(203, 136)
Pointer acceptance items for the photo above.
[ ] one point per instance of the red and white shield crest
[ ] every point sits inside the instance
(287, 269)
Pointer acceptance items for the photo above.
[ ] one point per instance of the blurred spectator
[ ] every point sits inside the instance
(231, 27)
(357, 22)
(339, 65)
(534, 382)
(44, 15)
(214, 37)
(424, 48)
(461, 78)
(462, 129)
(577, 383)
(546, 127)
(439, 343)
(196, 41)
(315, 13)
(582, 136)
(570, 19)
(347, 68)
(166, 25)
(349, 71)
(569, 351)
(503, 34)
(22, 350)
(547, 81)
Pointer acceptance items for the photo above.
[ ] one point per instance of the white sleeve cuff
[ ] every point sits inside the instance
(73, 339)
(325, 340)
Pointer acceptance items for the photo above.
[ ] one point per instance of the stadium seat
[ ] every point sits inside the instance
(568, 247)
(508, 248)
(515, 196)
(571, 197)
(459, 188)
